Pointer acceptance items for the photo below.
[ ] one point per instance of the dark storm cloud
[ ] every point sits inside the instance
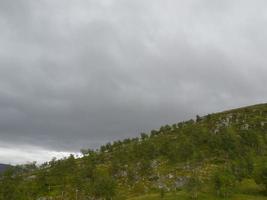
(79, 73)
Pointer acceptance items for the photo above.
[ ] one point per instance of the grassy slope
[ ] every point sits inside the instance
(247, 190)
(183, 196)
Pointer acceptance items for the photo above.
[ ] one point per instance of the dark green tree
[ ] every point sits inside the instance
(224, 183)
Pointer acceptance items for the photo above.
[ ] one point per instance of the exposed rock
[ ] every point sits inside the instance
(180, 182)
(216, 131)
(170, 176)
(263, 124)
(245, 127)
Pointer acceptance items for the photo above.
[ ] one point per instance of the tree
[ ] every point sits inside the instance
(86, 152)
(224, 183)
(144, 136)
(185, 149)
(194, 185)
(8, 185)
(243, 167)
(261, 175)
(198, 118)
(154, 133)
(104, 187)
(162, 193)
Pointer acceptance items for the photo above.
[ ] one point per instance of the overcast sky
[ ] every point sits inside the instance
(78, 73)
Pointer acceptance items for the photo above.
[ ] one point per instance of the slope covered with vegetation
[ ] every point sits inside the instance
(221, 155)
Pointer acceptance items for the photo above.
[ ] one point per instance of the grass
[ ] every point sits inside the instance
(246, 190)
(183, 196)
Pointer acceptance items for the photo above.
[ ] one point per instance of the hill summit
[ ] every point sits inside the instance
(220, 155)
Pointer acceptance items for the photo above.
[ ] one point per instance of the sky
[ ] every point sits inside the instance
(78, 73)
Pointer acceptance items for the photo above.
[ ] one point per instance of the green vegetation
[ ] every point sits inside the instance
(218, 156)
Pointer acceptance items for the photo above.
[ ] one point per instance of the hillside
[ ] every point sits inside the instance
(216, 156)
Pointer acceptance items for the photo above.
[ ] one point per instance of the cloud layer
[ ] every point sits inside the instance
(77, 74)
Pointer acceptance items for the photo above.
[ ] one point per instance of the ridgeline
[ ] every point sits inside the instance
(217, 156)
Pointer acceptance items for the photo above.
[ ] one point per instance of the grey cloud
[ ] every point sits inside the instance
(81, 73)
